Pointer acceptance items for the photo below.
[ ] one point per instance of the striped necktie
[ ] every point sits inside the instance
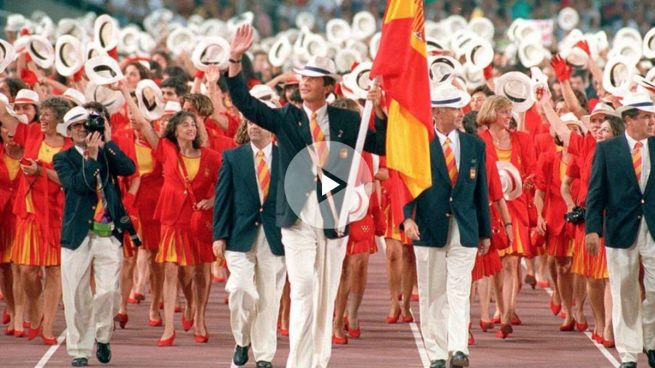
(451, 165)
(636, 160)
(263, 175)
(319, 140)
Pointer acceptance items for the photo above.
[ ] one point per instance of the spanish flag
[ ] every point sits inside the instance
(401, 62)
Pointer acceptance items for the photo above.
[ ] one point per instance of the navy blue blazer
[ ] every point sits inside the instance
(291, 127)
(77, 176)
(238, 212)
(468, 200)
(615, 203)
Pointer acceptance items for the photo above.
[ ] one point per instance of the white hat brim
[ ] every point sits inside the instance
(60, 63)
(519, 104)
(158, 110)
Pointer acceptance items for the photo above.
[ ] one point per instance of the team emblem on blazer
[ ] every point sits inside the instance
(340, 134)
(124, 220)
(472, 173)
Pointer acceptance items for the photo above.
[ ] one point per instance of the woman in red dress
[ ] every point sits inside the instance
(38, 209)
(186, 200)
(10, 154)
(513, 147)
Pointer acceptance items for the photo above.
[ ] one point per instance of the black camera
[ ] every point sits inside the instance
(95, 123)
(576, 216)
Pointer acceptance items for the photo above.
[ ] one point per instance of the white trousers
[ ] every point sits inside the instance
(634, 320)
(90, 317)
(255, 286)
(314, 268)
(444, 287)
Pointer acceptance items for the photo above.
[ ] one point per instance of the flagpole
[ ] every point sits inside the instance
(354, 168)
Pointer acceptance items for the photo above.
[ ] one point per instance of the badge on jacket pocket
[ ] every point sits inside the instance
(472, 173)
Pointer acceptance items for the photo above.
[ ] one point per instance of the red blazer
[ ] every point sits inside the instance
(175, 206)
(47, 196)
(7, 186)
(523, 157)
(584, 148)
(548, 180)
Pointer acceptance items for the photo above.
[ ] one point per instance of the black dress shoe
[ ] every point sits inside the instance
(651, 358)
(459, 359)
(263, 364)
(103, 353)
(80, 362)
(440, 363)
(240, 355)
(628, 365)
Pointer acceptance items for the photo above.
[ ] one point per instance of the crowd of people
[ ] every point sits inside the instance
(148, 164)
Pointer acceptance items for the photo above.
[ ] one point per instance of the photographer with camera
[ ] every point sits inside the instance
(93, 225)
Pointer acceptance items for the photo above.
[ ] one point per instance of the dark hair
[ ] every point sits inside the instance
(484, 89)
(175, 120)
(176, 83)
(99, 108)
(59, 105)
(201, 103)
(14, 85)
(580, 73)
(144, 73)
(155, 69)
(176, 72)
(164, 55)
(616, 124)
(630, 113)
(248, 70)
(470, 122)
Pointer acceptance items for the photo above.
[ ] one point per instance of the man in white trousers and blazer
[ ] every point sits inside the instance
(621, 208)
(313, 255)
(246, 235)
(449, 223)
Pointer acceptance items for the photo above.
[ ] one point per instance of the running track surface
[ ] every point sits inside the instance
(537, 343)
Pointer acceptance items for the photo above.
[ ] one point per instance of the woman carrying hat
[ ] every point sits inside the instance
(504, 144)
(185, 202)
(140, 194)
(10, 154)
(38, 209)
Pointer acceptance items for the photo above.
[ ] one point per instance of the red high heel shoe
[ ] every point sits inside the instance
(392, 319)
(166, 342)
(9, 331)
(131, 300)
(155, 322)
(18, 333)
(515, 320)
(6, 317)
(504, 331)
(581, 326)
(34, 332)
(339, 340)
(122, 319)
(407, 319)
(414, 297)
(284, 331)
(471, 338)
(355, 333)
(543, 284)
(608, 343)
(187, 324)
(555, 308)
(200, 339)
(495, 320)
(567, 327)
(48, 340)
(486, 325)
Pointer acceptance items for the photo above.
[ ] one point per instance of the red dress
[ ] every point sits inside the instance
(145, 200)
(9, 168)
(490, 264)
(522, 156)
(584, 147)
(39, 205)
(175, 207)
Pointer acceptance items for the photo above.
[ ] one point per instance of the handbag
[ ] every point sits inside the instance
(201, 220)
(499, 238)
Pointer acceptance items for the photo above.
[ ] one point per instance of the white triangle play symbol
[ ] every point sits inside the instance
(327, 185)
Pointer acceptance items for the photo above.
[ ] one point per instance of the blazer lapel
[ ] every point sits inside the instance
(624, 155)
(464, 160)
(304, 128)
(438, 158)
(246, 161)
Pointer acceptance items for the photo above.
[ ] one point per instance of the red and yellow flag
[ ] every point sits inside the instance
(401, 62)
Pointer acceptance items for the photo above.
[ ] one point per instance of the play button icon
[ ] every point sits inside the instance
(317, 195)
(329, 184)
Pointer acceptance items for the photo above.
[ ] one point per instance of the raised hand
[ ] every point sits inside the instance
(241, 42)
(584, 46)
(212, 74)
(562, 69)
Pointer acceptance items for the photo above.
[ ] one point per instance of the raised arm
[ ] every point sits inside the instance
(142, 124)
(216, 96)
(553, 119)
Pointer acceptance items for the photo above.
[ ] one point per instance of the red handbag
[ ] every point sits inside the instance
(499, 239)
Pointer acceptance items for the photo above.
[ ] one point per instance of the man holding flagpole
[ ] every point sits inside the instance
(314, 256)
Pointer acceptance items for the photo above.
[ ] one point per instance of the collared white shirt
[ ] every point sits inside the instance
(321, 118)
(80, 150)
(268, 157)
(454, 143)
(645, 159)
